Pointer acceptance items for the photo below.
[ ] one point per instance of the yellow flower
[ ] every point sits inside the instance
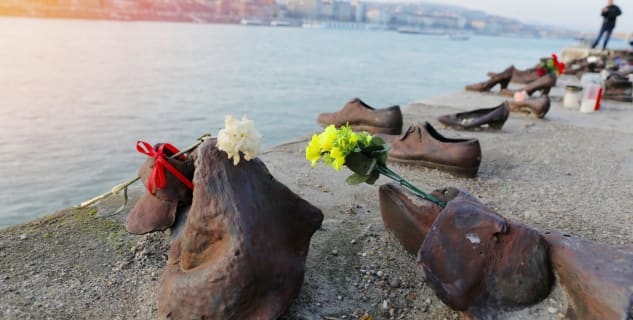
(313, 151)
(327, 137)
(368, 138)
(346, 140)
(339, 158)
(364, 139)
(353, 138)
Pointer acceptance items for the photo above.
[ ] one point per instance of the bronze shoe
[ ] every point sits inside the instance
(618, 97)
(525, 76)
(478, 262)
(158, 211)
(410, 217)
(543, 84)
(534, 106)
(424, 146)
(598, 278)
(502, 79)
(494, 118)
(618, 88)
(521, 76)
(362, 117)
(243, 249)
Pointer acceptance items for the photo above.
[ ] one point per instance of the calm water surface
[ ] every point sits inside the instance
(75, 96)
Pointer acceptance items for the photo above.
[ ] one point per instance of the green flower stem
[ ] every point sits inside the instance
(123, 186)
(394, 176)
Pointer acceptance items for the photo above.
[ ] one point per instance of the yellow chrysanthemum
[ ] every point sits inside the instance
(346, 140)
(353, 138)
(313, 151)
(368, 138)
(327, 137)
(338, 158)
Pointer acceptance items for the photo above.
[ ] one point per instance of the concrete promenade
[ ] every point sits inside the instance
(571, 172)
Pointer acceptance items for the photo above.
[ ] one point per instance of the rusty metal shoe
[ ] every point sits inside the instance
(524, 76)
(243, 249)
(503, 79)
(423, 145)
(362, 117)
(543, 84)
(410, 217)
(158, 211)
(537, 107)
(618, 88)
(479, 263)
(493, 118)
(598, 278)
(521, 76)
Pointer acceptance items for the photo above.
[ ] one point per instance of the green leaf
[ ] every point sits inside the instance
(377, 141)
(372, 177)
(382, 154)
(356, 178)
(381, 158)
(360, 163)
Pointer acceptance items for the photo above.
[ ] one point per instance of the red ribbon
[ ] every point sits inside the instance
(157, 177)
(560, 66)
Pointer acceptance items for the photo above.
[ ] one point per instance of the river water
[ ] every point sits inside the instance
(75, 95)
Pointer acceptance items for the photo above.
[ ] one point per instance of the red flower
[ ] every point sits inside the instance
(540, 72)
(561, 68)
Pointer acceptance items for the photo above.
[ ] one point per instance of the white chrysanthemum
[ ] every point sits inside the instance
(239, 135)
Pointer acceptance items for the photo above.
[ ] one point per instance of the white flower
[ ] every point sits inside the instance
(239, 135)
(520, 96)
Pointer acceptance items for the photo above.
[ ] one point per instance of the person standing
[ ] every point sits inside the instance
(609, 14)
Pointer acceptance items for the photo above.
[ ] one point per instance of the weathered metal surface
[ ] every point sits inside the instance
(361, 117)
(242, 251)
(502, 79)
(479, 263)
(543, 84)
(598, 278)
(492, 118)
(408, 216)
(158, 211)
(535, 106)
(422, 145)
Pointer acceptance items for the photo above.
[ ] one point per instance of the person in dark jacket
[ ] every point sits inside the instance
(609, 14)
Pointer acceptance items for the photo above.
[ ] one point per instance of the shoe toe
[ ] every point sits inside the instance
(325, 119)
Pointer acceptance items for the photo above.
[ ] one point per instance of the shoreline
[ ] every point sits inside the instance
(570, 172)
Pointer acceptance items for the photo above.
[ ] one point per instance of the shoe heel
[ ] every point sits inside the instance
(545, 91)
(496, 124)
(505, 83)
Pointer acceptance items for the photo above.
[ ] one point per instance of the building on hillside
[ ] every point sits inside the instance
(478, 25)
(343, 11)
(336, 10)
(377, 16)
(227, 8)
(256, 9)
(359, 10)
(309, 9)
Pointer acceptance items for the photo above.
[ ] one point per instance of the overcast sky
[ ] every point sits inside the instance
(582, 15)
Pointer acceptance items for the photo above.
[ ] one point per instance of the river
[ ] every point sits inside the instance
(76, 95)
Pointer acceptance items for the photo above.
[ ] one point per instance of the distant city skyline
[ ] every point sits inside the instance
(578, 15)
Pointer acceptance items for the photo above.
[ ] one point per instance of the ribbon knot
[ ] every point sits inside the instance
(157, 179)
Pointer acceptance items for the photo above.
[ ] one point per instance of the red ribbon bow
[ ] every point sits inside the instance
(157, 178)
(560, 66)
